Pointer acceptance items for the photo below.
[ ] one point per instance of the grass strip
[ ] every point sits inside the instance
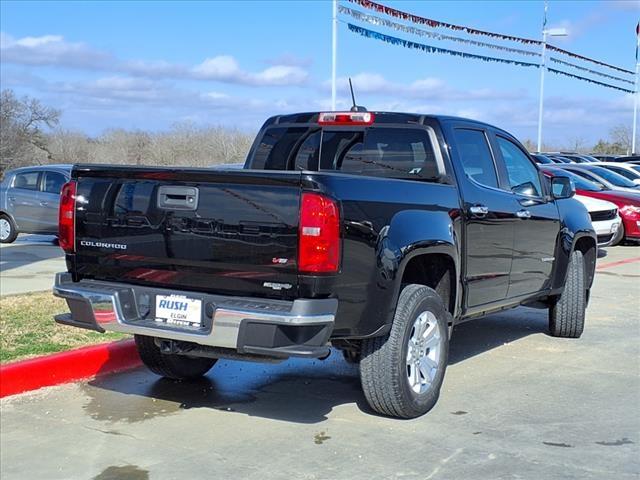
(27, 328)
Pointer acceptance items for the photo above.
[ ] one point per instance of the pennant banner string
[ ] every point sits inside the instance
(560, 72)
(437, 24)
(587, 59)
(573, 65)
(392, 12)
(363, 17)
(430, 49)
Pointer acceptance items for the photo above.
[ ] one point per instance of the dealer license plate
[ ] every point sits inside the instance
(178, 310)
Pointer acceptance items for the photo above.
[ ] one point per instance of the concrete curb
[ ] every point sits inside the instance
(70, 366)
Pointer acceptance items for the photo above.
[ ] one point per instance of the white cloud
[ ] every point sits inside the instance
(32, 42)
(430, 88)
(225, 68)
(54, 50)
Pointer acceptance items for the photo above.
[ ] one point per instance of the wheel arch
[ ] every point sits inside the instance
(589, 248)
(584, 242)
(436, 267)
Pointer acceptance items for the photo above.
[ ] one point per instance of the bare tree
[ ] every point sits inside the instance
(621, 138)
(577, 144)
(22, 139)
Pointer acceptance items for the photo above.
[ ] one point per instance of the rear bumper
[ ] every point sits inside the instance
(270, 328)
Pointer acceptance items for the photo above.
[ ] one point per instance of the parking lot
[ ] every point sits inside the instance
(516, 403)
(29, 264)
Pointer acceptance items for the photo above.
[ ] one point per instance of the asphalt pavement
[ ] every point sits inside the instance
(29, 264)
(516, 404)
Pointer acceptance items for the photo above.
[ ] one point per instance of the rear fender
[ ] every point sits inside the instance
(410, 234)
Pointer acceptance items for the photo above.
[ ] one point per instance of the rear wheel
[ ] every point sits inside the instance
(566, 315)
(8, 231)
(402, 372)
(178, 367)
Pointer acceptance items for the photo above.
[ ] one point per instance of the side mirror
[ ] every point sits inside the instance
(562, 187)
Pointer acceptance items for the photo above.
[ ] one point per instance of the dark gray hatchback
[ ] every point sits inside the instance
(29, 199)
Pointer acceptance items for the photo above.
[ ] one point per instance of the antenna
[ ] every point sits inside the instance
(355, 107)
(353, 97)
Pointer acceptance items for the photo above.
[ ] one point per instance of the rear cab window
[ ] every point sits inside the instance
(405, 152)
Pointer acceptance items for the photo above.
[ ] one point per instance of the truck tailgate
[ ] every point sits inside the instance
(214, 231)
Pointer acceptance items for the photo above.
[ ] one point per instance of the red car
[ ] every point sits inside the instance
(628, 203)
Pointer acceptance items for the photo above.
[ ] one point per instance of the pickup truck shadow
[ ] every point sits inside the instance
(300, 391)
(478, 336)
(19, 254)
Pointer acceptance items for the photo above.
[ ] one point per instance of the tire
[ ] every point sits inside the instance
(619, 237)
(178, 367)
(391, 385)
(8, 230)
(566, 315)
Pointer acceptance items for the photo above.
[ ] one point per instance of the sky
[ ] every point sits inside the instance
(150, 65)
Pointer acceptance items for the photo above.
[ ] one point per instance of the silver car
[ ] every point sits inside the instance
(29, 199)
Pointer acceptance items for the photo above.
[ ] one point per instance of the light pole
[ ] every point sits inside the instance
(553, 32)
(635, 93)
(635, 110)
(334, 48)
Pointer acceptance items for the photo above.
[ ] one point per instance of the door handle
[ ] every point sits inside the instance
(479, 211)
(44, 204)
(523, 214)
(12, 199)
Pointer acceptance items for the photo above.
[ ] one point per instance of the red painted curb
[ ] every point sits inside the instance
(602, 266)
(71, 366)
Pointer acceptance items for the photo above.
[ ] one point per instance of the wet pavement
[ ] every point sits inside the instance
(29, 264)
(516, 403)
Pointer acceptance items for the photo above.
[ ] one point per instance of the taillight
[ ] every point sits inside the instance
(319, 234)
(346, 118)
(67, 217)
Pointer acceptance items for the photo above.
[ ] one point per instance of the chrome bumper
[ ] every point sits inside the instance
(247, 325)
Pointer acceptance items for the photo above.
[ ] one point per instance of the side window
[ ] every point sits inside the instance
(475, 156)
(53, 182)
(26, 180)
(524, 178)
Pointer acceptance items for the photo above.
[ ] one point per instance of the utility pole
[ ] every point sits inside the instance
(543, 67)
(334, 50)
(635, 94)
(554, 32)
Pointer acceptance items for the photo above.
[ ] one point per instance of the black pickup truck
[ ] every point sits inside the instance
(371, 232)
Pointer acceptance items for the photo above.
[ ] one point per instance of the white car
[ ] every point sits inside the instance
(632, 172)
(605, 219)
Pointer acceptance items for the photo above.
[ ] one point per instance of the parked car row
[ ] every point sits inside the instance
(571, 157)
(626, 200)
(29, 196)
